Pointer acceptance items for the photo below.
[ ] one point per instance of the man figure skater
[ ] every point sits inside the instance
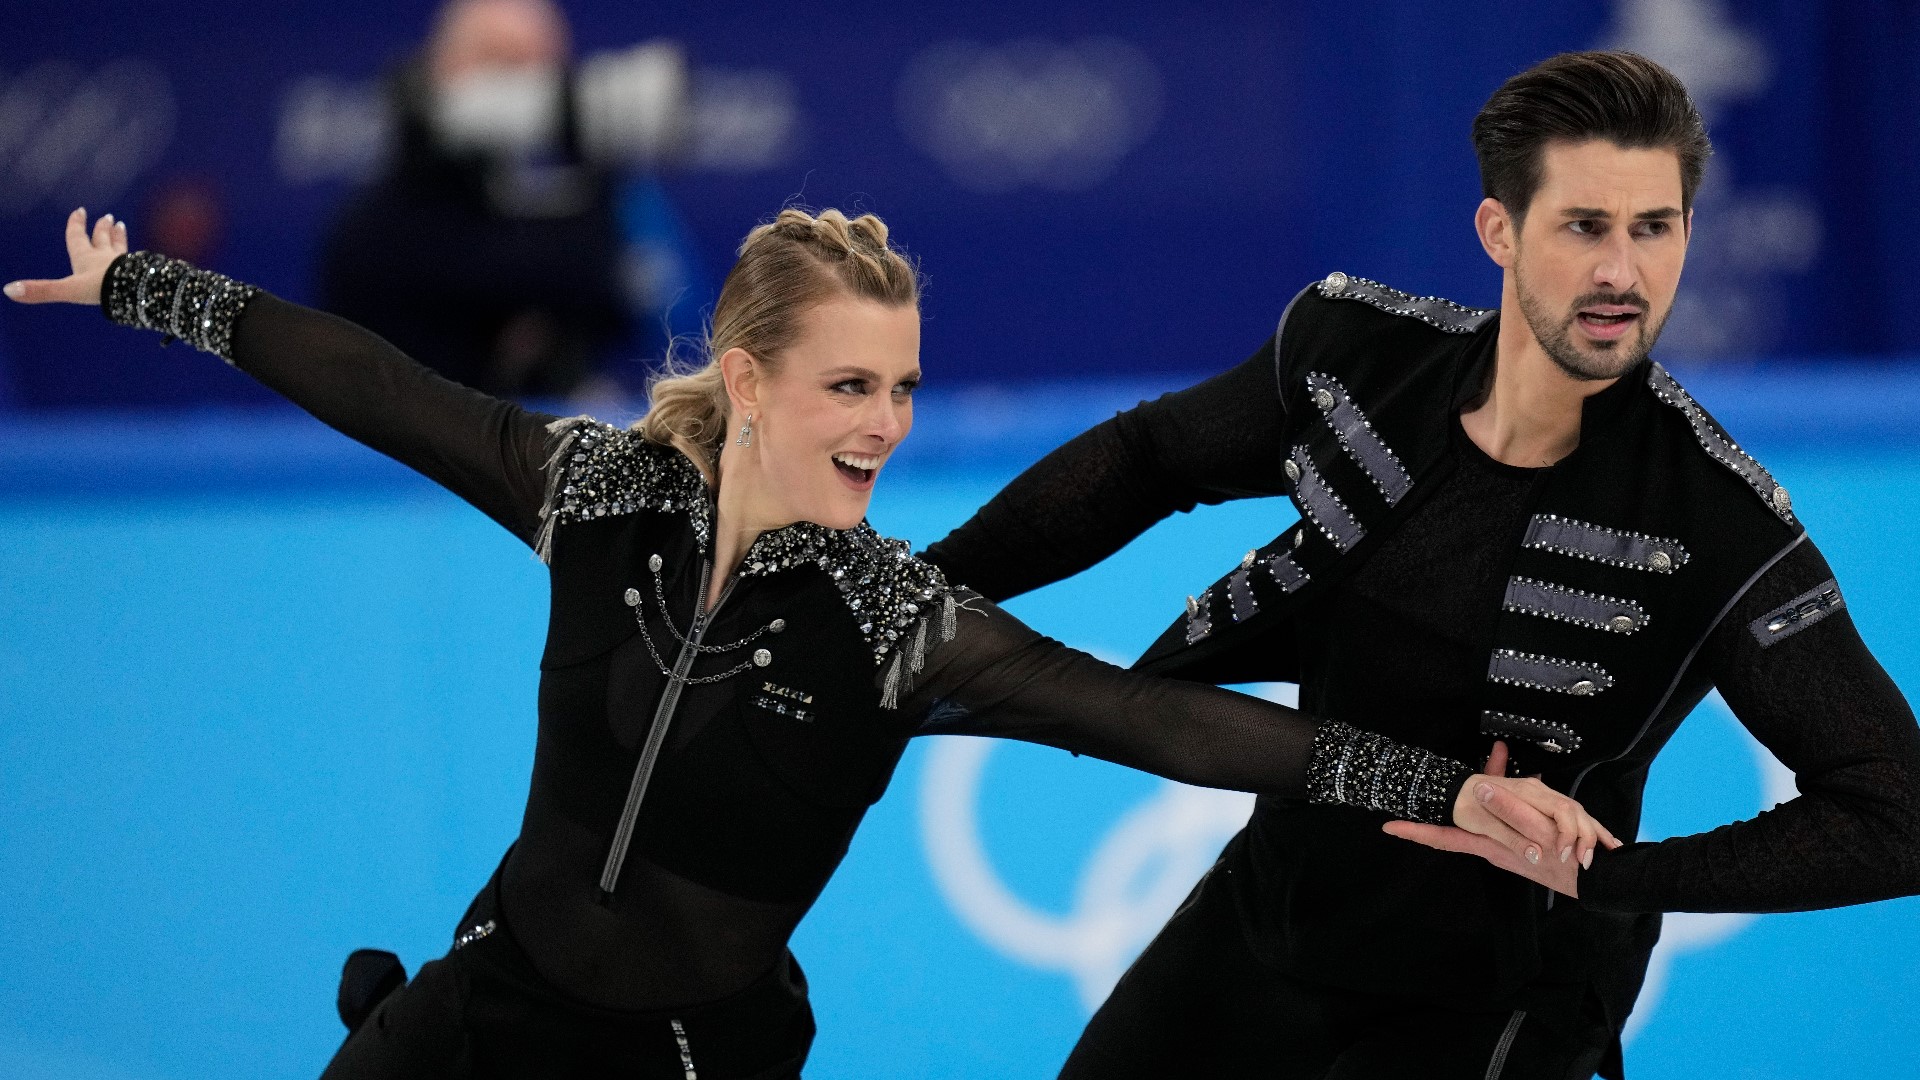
(1515, 526)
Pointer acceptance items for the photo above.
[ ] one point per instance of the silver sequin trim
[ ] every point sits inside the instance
(687, 1070)
(1286, 573)
(1359, 768)
(153, 292)
(598, 471)
(1356, 434)
(474, 933)
(1798, 613)
(1240, 595)
(1550, 735)
(1321, 506)
(1549, 673)
(1719, 446)
(1433, 310)
(1200, 616)
(1564, 604)
(1597, 543)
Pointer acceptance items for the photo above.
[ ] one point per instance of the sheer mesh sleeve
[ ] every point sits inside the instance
(487, 451)
(1211, 442)
(999, 678)
(1792, 667)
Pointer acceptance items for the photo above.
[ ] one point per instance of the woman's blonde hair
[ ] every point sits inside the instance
(786, 266)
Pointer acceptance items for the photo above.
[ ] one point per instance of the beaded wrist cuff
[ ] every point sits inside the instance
(1359, 768)
(154, 292)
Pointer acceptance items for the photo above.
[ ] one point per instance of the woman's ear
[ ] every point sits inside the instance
(741, 372)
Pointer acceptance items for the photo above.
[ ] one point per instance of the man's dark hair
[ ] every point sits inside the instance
(1622, 97)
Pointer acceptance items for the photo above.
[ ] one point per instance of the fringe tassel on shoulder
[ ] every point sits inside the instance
(911, 661)
(561, 435)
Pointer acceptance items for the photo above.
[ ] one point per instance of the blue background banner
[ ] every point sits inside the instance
(1093, 188)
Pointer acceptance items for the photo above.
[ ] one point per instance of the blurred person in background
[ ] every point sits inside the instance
(490, 249)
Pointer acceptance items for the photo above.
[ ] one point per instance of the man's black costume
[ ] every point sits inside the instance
(1439, 597)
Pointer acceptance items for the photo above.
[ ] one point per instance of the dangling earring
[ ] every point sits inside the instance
(746, 432)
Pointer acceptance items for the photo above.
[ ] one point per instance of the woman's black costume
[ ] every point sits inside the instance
(700, 769)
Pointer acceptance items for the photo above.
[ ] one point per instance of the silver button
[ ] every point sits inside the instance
(1660, 561)
(1193, 606)
(1782, 501)
(1622, 624)
(761, 658)
(1336, 282)
(1299, 536)
(633, 597)
(777, 625)
(1583, 688)
(1292, 469)
(1246, 561)
(1323, 398)
(1550, 746)
(654, 563)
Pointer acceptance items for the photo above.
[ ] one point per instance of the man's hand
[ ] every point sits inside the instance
(89, 252)
(1519, 825)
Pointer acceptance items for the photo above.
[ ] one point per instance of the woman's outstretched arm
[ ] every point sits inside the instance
(489, 452)
(997, 677)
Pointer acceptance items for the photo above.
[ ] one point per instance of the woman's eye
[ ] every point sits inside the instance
(850, 386)
(906, 389)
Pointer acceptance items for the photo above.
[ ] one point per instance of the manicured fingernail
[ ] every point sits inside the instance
(1484, 792)
(1566, 853)
(1586, 859)
(108, 218)
(1533, 855)
(16, 289)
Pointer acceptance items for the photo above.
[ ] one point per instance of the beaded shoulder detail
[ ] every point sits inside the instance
(898, 601)
(900, 604)
(597, 470)
(151, 291)
(1435, 311)
(1719, 445)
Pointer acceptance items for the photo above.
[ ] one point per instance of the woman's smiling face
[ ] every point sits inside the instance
(827, 413)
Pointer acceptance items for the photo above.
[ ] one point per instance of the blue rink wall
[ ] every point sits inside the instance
(265, 698)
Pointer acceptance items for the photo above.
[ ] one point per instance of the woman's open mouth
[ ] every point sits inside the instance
(857, 469)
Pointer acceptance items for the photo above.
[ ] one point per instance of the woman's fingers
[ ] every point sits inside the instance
(64, 290)
(119, 238)
(1521, 818)
(103, 232)
(77, 242)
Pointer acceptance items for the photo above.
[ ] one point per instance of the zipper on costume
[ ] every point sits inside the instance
(657, 733)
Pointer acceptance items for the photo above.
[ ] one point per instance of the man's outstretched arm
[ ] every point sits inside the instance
(1218, 440)
(1791, 666)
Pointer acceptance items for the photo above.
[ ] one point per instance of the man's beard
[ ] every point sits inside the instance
(1614, 358)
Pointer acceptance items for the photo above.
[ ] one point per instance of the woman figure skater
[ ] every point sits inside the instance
(734, 661)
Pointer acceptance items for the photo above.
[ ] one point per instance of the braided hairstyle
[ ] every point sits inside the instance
(786, 267)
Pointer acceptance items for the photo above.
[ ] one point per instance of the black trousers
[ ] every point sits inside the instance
(483, 1012)
(1198, 1004)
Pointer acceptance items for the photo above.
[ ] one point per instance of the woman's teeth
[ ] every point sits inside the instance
(856, 467)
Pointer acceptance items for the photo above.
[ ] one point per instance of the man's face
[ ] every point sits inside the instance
(1598, 256)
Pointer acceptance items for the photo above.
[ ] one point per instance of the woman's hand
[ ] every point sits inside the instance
(1519, 825)
(91, 254)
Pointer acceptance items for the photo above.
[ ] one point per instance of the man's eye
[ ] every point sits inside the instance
(1585, 226)
(1654, 228)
